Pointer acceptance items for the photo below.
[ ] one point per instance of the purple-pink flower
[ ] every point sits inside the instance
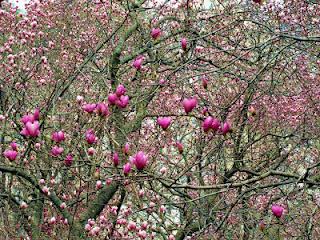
(31, 129)
(68, 160)
(58, 136)
(140, 160)
(102, 109)
(164, 122)
(155, 33)
(225, 128)
(137, 63)
(277, 210)
(123, 101)
(126, 168)
(121, 90)
(189, 104)
(115, 159)
(91, 137)
(10, 154)
(207, 124)
(184, 44)
(112, 98)
(89, 107)
(56, 151)
(215, 124)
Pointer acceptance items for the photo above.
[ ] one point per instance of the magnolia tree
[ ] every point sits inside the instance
(160, 120)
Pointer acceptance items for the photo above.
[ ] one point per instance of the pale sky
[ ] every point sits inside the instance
(19, 3)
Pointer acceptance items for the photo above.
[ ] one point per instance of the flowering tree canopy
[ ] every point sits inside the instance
(146, 119)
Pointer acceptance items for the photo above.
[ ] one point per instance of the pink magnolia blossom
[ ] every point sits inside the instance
(102, 219)
(23, 205)
(164, 122)
(31, 117)
(152, 204)
(180, 147)
(123, 101)
(79, 99)
(108, 181)
(144, 225)
(56, 151)
(162, 81)
(91, 151)
(189, 104)
(89, 107)
(126, 148)
(163, 170)
(37, 146)
(102, 109)
(140, 160)
(14, 146)
(112, 98)
(87, 227)
(94, 231)
(98, 184)
(277, 210)
(141, 193)
(207, 124)
(132, 226)
(58, 136)
(91, 222)
(204, 82)
(122, 221)
(127, 168)
(45, 190)
(91, 137)
(225, 128)
(142, 234)
(63, 205)
(162, 209)
(10, 154)
(31, 129)
(215, 124)
(184, 44)
(155, 33)
(171, 237)
(121, 90)
(137, 63)
(114, 210)
(52, 220)
(115, 159)
(68, 160)
(36, 114)
(44, 60)
(28, 118)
